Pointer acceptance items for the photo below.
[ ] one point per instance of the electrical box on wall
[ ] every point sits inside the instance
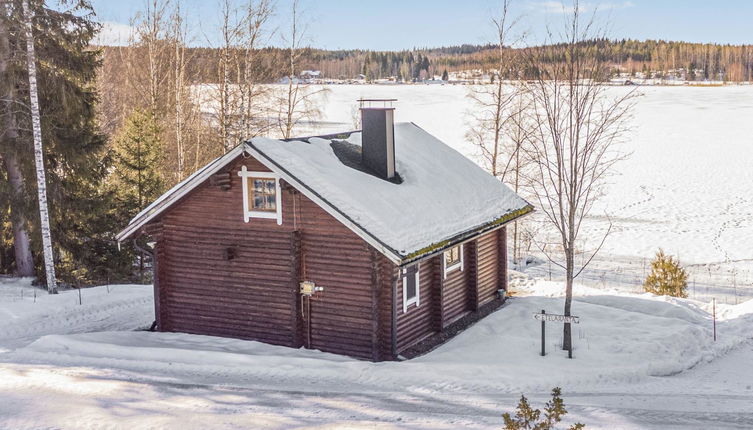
(308, 288)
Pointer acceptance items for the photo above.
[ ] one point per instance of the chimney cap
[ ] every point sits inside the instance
(369, 103)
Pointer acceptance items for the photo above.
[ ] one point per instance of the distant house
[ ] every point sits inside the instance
(365, 243)
(309, 74)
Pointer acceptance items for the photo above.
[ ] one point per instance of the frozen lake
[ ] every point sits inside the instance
(686, 186)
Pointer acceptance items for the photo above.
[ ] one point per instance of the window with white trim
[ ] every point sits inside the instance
(453, 259)
(411, 287)
(261, 195)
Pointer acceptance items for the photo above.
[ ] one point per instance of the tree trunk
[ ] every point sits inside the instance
(21, 241)
(569, 271)
(36, 122)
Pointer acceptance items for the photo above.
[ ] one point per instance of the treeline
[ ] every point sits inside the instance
(649, 58)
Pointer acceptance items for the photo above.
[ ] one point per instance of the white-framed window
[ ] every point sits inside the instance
(411, 287)
(261, 195)
(452, 259)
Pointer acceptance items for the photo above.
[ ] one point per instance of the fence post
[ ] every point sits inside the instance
(543, 336)
(713, 301)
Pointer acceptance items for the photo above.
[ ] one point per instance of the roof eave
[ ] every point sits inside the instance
(137, 223)
(466, 236)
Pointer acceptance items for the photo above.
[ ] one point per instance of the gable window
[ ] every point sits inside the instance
(453, 259)
(411, 287)
(261, 195)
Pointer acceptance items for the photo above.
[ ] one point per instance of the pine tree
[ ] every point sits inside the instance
(445, 76)
(138, 155)
(667, 277)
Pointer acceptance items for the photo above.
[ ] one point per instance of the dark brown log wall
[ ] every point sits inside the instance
(218, 275)
(455, 290)
(445, 300)
(254, 295)
(488, 267)
(417, 322)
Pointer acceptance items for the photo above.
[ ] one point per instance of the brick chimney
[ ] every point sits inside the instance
(378, 136)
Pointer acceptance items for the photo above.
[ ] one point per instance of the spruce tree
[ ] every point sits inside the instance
(135, 180)
(75, 155)
(528, 418)
(138, 157)
(667, 277)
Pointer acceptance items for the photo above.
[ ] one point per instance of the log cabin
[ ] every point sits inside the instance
(369, 243)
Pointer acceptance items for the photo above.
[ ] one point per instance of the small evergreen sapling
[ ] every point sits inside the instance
(667, 277)
(527, 418)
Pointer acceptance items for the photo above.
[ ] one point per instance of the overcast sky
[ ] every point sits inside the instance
(404, 24)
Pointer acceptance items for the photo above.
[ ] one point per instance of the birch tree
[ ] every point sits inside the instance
(179, 86)
(494, 103)
(49, 262)
(229, 28)
(578, 124)
(499, 124)
(298, 102)
(253, 96)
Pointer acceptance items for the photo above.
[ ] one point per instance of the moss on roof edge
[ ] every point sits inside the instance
(501, 220)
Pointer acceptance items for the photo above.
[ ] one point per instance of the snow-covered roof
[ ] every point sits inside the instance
(443, 198)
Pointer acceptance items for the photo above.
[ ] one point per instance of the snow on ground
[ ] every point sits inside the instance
(26, 312)
(640, 362)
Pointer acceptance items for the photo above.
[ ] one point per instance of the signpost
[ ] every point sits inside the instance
(544, 317)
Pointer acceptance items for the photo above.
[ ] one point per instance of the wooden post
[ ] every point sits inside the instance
(393, 315)
(502, 268)
(543, 334)
(473, 275)
(714, 312)
(376, 282)
(295, 267)
(437, 291)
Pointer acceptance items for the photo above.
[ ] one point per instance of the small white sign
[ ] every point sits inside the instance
(557, 318)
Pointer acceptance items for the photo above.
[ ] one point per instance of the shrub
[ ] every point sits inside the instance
(667, 277)
(527, 418)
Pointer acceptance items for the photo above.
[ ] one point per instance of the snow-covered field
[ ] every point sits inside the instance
(684, 188)
(640, 362)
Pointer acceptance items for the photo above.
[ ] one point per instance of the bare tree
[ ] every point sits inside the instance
(500, 126)
(152, 32)
(230, 29)
(579, 123)
(299, 101)
(31, 63)
(179, 86)
(253, 96)
(519, 130)
(494, 103)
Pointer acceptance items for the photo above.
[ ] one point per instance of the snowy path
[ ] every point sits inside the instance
(85, 397)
